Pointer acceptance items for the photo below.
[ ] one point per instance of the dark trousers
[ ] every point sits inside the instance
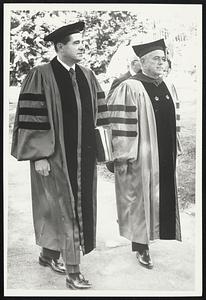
(50, 253)
(56, 255)
(139, 247)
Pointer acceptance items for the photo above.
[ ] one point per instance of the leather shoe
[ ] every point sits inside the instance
(78, 282)
(54, 264)
(144, 259)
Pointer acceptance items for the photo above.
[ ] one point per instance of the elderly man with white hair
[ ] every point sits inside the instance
(144, 119)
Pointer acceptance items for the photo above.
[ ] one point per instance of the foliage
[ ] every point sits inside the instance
(105, 31)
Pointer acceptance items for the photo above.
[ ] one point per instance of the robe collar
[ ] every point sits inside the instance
(142, 77)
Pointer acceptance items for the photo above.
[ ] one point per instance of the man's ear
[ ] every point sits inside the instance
(142, 60)
(59, 46)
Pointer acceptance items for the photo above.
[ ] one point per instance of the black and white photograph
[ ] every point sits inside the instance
(102, 149)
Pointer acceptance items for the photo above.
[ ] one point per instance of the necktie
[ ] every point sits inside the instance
(72, 74)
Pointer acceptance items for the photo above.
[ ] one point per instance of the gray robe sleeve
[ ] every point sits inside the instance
(123, 117)
(32, 136)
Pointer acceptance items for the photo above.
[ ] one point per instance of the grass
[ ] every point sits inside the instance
(186, 171)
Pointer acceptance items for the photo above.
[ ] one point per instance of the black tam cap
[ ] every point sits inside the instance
(61, 32)
(142, 49)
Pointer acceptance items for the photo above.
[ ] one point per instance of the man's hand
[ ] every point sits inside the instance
(42, 166)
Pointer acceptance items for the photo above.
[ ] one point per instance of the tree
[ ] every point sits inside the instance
(105, 32)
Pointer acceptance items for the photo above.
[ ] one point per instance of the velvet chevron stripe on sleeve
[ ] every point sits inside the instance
(102, 108)
(100, 95)
(34, 125)
(33, 113)
(124, 133)
(103, 121)
(102, 116)
(123, 119)
(119, 107)
(33, 97)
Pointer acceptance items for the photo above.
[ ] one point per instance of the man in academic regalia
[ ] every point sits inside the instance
(55, 130)
(143, 114)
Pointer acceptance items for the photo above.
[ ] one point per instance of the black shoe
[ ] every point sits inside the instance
(144, 259)
(77, 283)
(54, 264)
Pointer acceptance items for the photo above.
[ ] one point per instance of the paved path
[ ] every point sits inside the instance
(111, 267)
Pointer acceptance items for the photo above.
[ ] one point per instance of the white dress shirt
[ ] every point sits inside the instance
(65, 65)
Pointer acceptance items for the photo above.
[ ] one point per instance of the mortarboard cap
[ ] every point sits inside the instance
(142, 49)
(63, 31)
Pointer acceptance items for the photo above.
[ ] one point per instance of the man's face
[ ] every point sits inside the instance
(153, 63)
(73, 50)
